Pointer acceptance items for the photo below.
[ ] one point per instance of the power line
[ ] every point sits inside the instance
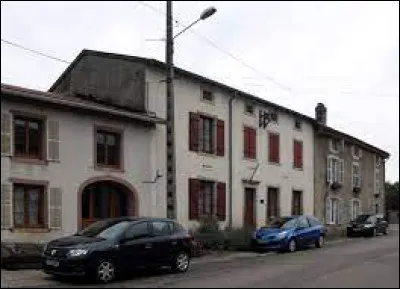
(269, 78)
(34, 51)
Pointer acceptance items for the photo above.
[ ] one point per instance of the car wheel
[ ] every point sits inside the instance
(292, 246)
(320, 242)
(181, 262)
(105, 271)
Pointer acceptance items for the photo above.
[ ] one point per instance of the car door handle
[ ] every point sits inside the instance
(148, 246)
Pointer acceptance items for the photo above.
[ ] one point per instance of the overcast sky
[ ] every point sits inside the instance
(344, 54)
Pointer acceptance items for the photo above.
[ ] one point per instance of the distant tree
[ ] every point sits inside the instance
(392, 195)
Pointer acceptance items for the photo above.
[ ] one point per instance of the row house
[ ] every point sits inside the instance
(67, 162)
(349, 175)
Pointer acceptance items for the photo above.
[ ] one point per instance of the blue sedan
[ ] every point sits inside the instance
(289, 234)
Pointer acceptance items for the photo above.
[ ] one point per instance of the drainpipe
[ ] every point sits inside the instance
(230, 221)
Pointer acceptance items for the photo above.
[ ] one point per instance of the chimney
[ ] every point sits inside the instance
(320, 113)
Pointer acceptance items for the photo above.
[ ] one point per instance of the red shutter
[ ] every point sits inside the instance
(193, 131)
(221, 201)
(298, 154)
(276, 153)
(274, 148)
(245, 142)
(295, 154)
(194, 194)
(252, 143)
(220, 138)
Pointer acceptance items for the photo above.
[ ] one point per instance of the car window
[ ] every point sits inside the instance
(313, 222)
(302, 222)
(292, 223)
(371, 219)
(137, 231)
(162, 228)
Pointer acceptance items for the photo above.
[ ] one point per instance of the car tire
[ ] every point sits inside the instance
(181, 262)
(292, 246)
(105, 271)
(320, 242)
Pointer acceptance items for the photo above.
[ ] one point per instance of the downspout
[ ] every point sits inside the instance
(230, 221)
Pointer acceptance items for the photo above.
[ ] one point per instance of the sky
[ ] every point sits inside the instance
(296, 54)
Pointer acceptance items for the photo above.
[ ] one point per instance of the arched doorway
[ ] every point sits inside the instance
(105, 198)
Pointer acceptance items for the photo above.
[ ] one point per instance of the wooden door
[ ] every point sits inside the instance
(249, 207)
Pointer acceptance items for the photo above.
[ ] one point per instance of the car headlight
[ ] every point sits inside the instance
(368, 225)
(77, 252)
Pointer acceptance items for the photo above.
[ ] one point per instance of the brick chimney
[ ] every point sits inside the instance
(320, 113)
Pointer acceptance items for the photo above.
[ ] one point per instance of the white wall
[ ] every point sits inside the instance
(197, 165)
(143, 154)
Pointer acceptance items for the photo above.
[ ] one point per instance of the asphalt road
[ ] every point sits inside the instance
(364, 263)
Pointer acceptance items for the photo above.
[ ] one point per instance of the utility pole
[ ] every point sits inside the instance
(171, 164)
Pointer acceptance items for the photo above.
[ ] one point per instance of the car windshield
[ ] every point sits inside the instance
(283, 223)
(363, 218)
(104, 229)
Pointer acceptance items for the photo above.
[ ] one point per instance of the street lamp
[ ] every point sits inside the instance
(170, 140)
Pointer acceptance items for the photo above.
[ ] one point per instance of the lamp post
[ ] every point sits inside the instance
(171, 163)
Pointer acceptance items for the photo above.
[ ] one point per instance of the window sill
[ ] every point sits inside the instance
(29, 161)
(253, 115)
(30, 230)
(274, 163)
(108, 168)
(205, 154)
(250, 159)
(298, 169)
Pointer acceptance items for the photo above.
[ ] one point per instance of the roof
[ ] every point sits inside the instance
(179, 71)
(65, 100)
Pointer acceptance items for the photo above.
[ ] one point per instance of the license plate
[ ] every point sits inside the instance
(53, 263)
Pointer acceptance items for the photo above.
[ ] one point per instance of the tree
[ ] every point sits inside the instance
(392, 196)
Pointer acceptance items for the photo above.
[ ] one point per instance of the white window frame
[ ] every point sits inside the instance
(206, 100)
(359, 212)
(335, 172)
(356, 179)
(332, 217)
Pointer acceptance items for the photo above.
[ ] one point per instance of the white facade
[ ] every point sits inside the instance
(203, 166)
(143, 153)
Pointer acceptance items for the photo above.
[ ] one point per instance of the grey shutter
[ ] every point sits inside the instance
(341, 171)
(6, 134)
(55, 208)
(328, 211)
(6, 206)
(329, 170)
(53, 141)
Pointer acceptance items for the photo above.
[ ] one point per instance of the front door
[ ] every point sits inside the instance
(249, 211)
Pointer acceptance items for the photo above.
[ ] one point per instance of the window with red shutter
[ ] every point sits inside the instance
(298, 154)
(220, 138)
(194, 196)
(245, 142)
(193, 131)
(273, 148)
(249, 143)
(221, 201)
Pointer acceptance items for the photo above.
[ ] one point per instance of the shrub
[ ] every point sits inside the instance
(208, 236)
(238, 239)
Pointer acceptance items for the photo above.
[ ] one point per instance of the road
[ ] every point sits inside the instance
(363, 262)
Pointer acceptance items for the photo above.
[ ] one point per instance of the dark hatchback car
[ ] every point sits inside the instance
(367, 225)
(111, 246)
(289, 234)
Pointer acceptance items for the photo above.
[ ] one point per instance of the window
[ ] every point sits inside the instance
(313, 222)
(297, 154)
(249, 142)
(335, 170)
(137, 231)
(208, 96)
(162, 228)
(272, 203)
(357, 152)
(29, 206)
(206, 200)
(302, 222)
(28, 137)
(273, 155)
(108, 148)
(297, 203)
(332, 211)
(297, 124)
(355, 209)
(249, 108)
(356, 175)
(334, 145)
(206, 134)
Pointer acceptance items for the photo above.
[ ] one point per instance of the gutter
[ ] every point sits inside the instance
(230, 219)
